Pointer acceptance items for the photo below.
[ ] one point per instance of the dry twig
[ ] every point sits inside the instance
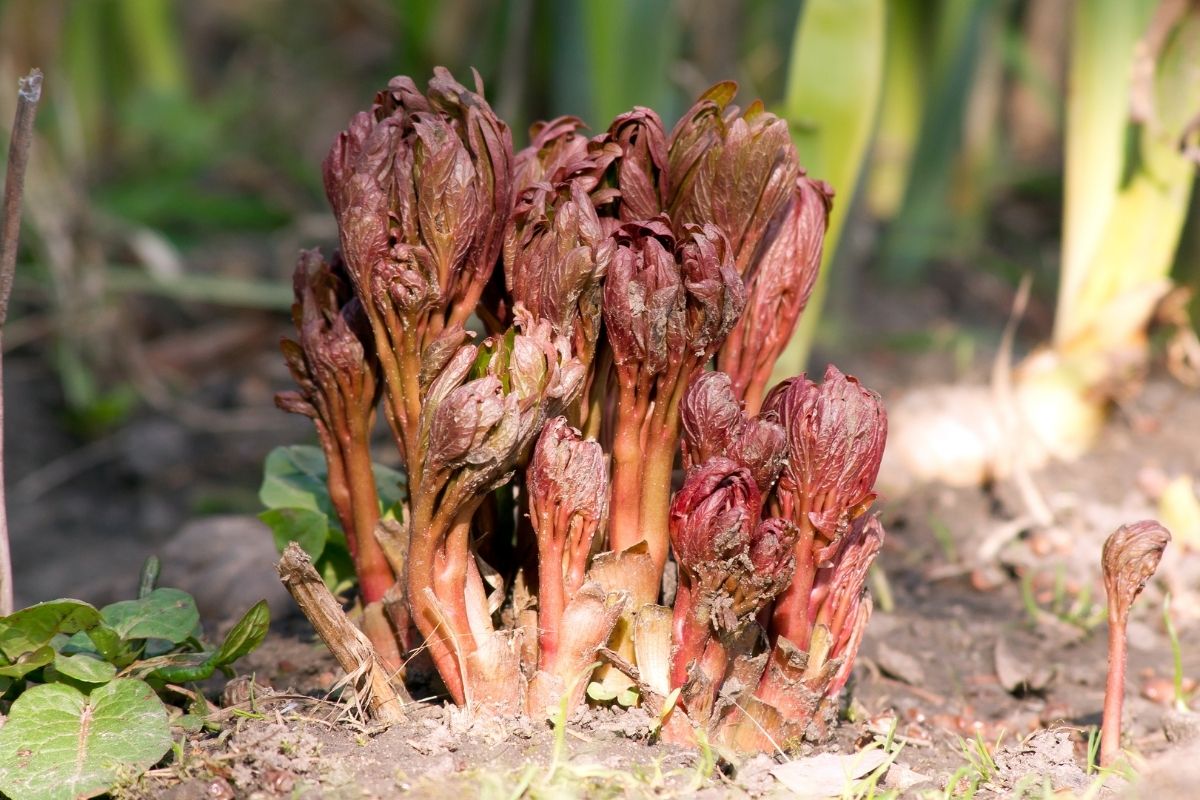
(364, 668)
(29, 92)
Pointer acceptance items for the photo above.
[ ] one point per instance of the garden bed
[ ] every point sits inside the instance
(981, 598)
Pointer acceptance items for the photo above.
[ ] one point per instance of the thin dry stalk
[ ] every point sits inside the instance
(353, 651)
(29, 92)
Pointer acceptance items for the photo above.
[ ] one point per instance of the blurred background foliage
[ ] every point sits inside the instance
(177, 169)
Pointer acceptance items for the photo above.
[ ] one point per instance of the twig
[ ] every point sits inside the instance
(1016, 429)
(29, 92)
(352, 649)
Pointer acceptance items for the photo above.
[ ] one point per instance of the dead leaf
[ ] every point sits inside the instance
(899, 665)
(1020, 675)
(827, 774)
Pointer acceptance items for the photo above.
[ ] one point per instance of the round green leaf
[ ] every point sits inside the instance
(60, 744)
(163, 614)
(85, 668)
(34, 627)
(389, 485)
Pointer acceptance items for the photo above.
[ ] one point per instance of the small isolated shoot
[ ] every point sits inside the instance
(339, 387)
(1129, 560)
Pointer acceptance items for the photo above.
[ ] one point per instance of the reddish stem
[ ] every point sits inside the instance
(375, 575)
(582, 533)
(791, 618)
(661, 443)
(1114, 692)
(551, 599)
(428, 534)
(624, 519)
(692, 632)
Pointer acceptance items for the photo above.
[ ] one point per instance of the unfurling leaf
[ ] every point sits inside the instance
(836, 434)
(1130, 558)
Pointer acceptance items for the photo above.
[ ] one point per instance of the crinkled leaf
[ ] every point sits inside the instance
(28, 662)
(163, 614)
(34, 627)
(60, 744)
(85, 668)
(305, 527)
(246, 635)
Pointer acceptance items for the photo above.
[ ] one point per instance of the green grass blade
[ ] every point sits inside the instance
(154, 43)
(965, 41)
(902, 106)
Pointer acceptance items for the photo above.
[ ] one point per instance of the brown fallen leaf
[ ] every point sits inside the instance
(827, 774)
(1019, 675)
(899, 665)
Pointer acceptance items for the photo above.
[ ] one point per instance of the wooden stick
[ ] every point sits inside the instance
(29, 92)
(351, 648)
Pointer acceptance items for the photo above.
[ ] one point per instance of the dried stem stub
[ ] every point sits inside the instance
(29, 92)
(349, 645)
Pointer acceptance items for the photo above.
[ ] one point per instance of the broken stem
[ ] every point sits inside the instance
(29, 92)
(350, 646)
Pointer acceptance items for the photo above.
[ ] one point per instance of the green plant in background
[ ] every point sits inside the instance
(296, 494)
(1129, 182)
(91, 693)
(620, 54)
(832, 115)
(960, 73)
(1130, 168)
(1180, 694)
(906, 70)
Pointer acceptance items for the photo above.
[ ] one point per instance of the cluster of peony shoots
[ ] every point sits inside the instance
(571, 345)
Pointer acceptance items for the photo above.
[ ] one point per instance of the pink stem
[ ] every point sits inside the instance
(1114, 691)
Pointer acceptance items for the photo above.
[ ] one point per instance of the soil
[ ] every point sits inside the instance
(993, 640)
